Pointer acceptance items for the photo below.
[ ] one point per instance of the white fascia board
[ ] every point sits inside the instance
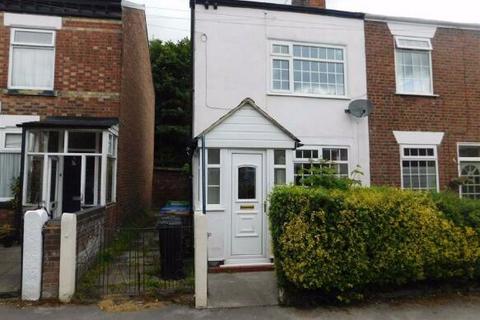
(133, 5)
(418, 137)
(32, 21)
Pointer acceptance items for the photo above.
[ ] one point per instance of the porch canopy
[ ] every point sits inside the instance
(248, 126)
(69, 163)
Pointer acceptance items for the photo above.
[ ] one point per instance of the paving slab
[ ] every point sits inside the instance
(242, 289)
(10, 269)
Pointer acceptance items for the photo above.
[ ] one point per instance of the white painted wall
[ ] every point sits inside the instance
(232, 62)
(68, 257)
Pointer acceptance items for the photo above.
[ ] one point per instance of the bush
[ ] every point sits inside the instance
(344, 243)
(463, 212)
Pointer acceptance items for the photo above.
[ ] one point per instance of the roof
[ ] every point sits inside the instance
(72, 123)
(278, 7)
(251, 103)
(438, 23)
(108, 9)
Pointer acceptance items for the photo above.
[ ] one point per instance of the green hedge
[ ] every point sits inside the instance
(343, 243)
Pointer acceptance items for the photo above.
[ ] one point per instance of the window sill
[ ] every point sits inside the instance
(32, 92)
(426, 95)
(217, 208)
(299, 95)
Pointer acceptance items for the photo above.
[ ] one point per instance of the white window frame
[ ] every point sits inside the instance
(398, 46)
(279, 166)
(214, 206)
(465, 159)
(419, 158)
(3, 149)
(289, 57)
(22, 44)
(320, 157)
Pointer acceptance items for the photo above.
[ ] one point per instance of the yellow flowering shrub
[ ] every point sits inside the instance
(344, 242)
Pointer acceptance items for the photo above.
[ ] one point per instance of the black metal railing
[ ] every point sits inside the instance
(154, 261)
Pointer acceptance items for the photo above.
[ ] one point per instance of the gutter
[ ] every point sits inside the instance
(437, 23)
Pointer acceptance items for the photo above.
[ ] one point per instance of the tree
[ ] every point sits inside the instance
(172, 78)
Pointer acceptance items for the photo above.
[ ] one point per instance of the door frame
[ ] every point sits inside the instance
(229, 197)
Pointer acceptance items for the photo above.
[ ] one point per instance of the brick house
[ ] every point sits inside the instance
(423, 80)
(77, 106)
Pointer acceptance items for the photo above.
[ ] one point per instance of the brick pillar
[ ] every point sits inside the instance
(309, 3)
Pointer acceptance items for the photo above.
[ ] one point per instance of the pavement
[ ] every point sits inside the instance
(10, 269)
(450, 307)
(243, 289)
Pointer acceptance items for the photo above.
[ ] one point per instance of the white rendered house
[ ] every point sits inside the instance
(271, 86)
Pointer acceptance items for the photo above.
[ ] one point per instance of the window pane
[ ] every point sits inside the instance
(32, 67)
(469, 151)
(34, 179)
(280, 74)
(13, 140)
(246, 183)
(279, 176)
(213, 156)
(84, 142)
(110, 177)
(213, 195)
(55, 141)
(10, 169)
(282, 49)
(471, 187)
(419, 174)
(92, 178)
(23, 36)
(37, 141)
(279, 157)
(213, 176)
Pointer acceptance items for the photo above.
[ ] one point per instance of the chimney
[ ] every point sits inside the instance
(309, 3)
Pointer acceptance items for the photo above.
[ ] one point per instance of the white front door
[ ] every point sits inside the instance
(247, 214)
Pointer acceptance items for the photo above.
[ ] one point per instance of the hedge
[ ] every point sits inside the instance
(344, 243)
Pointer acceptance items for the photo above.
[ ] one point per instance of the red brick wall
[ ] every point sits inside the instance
(87, 71)
(170, 184)
(135, 163)
(51, 259)
(7, 216)
(456, 75)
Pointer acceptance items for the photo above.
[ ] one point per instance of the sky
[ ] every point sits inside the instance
(170, 19)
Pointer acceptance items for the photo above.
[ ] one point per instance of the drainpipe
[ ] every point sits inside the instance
(204, 197)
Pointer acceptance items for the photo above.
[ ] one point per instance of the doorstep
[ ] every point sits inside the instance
(231, 268)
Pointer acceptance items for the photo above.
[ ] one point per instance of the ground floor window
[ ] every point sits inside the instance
(469, 163)
(311, 156)
(10, 160)
(279, 167)
(419, 167)
(213, 176)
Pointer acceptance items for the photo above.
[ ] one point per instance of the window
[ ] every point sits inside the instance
(413, 65)
(10, 160)
(247, 183)
(469, 162)
(308, 157)
(308, 70)
(279, 167)
(419, 168)
(213, 176)
(32, 59)
(111, 167)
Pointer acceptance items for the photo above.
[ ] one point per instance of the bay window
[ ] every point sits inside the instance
(32, 59)
(301, 69)
(413, 65)
(10, 155)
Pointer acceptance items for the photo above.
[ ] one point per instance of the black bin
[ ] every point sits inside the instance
(170, 234)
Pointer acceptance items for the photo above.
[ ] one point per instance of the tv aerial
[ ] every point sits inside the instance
(360, 108)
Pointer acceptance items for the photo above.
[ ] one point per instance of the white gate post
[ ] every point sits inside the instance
(201, 264)
(33, 254)
(68, 257)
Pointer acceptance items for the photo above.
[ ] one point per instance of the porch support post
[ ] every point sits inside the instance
(201, 265)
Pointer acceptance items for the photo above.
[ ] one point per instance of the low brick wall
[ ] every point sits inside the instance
(51, 258)
(170, 184)
(90, 233)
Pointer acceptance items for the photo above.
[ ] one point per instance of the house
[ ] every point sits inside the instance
(423, 81)
(77, 108)
(271, 86)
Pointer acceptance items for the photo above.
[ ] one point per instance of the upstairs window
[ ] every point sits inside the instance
(308, 70)
(419, 168)
(413, 62)
(32, 59)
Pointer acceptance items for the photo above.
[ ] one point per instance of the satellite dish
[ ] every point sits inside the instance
(360, 108)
